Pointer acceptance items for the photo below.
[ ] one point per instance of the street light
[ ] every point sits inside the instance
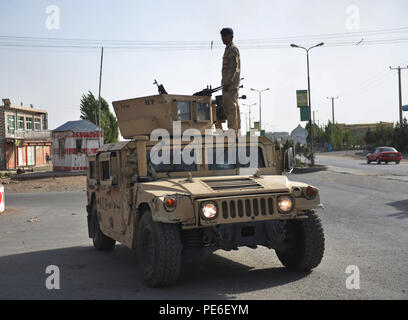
(260, 114)
(249, 108)
(308, 89)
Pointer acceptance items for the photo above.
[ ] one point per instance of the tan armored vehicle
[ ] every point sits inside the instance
(174, 212)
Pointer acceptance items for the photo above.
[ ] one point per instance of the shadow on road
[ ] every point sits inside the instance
(401, 206)
(88, 274)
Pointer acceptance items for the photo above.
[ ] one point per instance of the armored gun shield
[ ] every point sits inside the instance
(140, 116)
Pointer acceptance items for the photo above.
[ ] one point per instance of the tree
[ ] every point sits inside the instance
(89, 108)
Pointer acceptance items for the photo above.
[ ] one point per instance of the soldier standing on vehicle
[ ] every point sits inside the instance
(231, 69)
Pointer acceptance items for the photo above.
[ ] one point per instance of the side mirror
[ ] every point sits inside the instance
(288, 160)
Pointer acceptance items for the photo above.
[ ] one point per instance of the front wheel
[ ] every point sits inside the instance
(368, 161)
(397, 162)
(159, 251)
(100, 241)
(305, 239)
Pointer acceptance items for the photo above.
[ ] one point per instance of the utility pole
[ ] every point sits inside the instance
(314, 121)
(309, 94)
(249, 109)
(260, 113)
(332, 99)
(99, 101)
(400, 90)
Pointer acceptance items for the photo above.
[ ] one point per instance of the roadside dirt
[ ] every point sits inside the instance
(57, 184)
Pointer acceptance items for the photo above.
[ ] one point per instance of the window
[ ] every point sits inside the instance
(387, 150)
(203, 111)
(172, 167)
(44, 121)
(61, 147)
(29, 123)
(10, 124)
(105, 170)
(183, 110)
(37, 124)
(114, 168)
(20, 123)
(222, 163)
(78, 146)
(92, 170)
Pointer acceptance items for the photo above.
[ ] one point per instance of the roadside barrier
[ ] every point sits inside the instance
(1, 198)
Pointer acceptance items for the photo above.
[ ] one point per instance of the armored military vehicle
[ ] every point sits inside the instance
(171, 213)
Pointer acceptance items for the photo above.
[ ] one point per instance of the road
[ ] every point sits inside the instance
(360, 167)
(365, 221)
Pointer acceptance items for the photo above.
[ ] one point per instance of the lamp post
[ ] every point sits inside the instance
(260, 112)
(249, 109)
(308, 89)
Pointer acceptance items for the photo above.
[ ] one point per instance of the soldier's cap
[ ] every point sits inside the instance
(227, 31)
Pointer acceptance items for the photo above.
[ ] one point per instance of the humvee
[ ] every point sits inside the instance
(172, 213)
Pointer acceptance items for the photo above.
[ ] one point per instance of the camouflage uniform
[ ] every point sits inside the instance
(231, 70)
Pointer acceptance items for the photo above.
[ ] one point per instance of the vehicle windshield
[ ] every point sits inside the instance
(220, 163)
(387, 150)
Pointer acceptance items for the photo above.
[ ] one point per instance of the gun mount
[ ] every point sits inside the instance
(160, 87)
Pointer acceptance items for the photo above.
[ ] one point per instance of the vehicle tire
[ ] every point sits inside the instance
(305, 238)
(397, 162)
(368, 161)
(159, 251)
(378, 161)
(100, 241)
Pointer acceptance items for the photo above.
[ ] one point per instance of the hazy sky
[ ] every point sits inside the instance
(55, 78)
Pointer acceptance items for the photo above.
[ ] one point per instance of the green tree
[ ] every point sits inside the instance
(89, 108)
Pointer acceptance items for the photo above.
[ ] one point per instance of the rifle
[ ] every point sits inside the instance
(160, 87)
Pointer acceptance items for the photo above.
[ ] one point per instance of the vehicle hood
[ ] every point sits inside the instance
(202, 187)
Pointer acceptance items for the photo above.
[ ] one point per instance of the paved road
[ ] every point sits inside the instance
(360, 167)
(365, 221)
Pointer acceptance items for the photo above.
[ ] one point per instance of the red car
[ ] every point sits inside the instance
(384, 154)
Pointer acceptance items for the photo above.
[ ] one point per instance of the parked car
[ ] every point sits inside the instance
(384, 154)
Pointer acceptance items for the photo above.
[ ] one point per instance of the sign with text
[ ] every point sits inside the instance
(304, 113)
(302, 98)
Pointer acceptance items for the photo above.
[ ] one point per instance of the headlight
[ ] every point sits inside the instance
(209, 210)
(169, 203)
(285, 204)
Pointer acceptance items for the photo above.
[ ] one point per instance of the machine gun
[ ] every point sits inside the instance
(160, 87)
(209, 90)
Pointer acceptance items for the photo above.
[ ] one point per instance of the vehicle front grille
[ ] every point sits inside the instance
(247, 207)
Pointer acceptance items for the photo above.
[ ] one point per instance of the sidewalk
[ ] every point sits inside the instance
(47, 174)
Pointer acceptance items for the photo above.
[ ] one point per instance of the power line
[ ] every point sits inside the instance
(332, 40)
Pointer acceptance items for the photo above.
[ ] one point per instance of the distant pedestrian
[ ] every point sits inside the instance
(47, 158)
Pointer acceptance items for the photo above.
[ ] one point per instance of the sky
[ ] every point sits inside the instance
(54, 78)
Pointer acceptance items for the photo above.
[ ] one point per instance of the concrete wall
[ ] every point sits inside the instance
(72, 160)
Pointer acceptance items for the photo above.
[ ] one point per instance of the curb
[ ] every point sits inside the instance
(316, 168)
(47, 174)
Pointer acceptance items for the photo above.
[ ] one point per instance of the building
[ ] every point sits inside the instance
(72, 143)
(25, 140)
(281, 137)
(299, 135)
